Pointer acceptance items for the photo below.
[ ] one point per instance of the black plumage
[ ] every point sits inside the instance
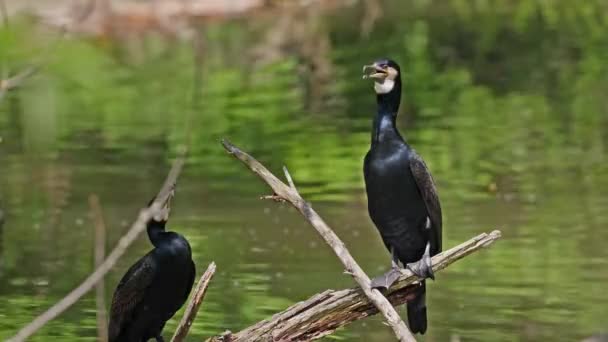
(154, 288)
(402, 198)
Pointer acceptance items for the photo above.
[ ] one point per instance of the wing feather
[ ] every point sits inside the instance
(428, 191)
(129, 294)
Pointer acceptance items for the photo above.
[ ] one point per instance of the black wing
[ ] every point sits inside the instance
(427, 189)
(129, 294)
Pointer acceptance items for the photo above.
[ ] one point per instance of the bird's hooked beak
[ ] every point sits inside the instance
(163, 215)
(374, 71)
(167, 205)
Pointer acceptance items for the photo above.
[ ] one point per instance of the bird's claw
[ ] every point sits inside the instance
(422, 268)
(386, 280)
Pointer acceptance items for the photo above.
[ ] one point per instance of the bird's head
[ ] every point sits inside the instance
(386, 75)
(163, 215)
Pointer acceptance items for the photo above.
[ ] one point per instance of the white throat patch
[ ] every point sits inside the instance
(384, 87)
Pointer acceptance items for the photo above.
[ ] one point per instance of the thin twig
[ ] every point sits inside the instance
(195, 302)
(289, 179)
(290, 195)
(15, 81)
(138, 226)
(100, 251)
(10, 83)
(323, 313)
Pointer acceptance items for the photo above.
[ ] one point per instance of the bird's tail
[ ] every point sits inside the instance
(416, 311)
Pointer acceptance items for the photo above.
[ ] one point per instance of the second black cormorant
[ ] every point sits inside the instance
(402, 198)
(154, 288)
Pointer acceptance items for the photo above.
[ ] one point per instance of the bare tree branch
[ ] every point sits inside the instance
(291, 195)
(138, 226)
(325, 312)
(292, 185)
(195, 302)
(15, 81)
(100, 251)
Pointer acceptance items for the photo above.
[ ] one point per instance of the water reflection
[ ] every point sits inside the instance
(505, 103)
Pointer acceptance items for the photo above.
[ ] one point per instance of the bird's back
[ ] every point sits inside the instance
(175, 276)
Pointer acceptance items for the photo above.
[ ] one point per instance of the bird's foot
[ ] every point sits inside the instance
(159, 338)
(387, 279)
(422, 268)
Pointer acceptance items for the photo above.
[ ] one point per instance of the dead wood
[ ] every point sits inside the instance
(195, 302)
(323, 313)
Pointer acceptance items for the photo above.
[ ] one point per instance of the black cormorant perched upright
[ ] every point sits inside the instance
(402, 199)
(154, 288)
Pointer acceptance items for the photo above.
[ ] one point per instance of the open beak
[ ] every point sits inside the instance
(374, 71)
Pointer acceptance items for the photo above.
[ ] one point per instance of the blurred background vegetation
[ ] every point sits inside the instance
(505, 99)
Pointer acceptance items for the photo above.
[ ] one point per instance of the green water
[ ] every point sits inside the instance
(506, 101)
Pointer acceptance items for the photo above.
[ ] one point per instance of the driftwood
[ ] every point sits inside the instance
(138, 226)
(325, 312)
(195, 302)
(290, 194)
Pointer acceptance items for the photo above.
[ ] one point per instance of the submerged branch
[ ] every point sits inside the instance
(325, 312)
(100, 254)
(290, 194)
(138, 226)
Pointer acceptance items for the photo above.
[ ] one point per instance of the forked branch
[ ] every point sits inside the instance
(325, 312)
(291, 195)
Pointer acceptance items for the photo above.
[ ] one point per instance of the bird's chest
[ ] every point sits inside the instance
(392, 192)
(387, 175)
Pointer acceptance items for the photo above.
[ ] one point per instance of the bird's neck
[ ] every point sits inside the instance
(384, 123)
(385, 128)
(156, 232)
(390, 101)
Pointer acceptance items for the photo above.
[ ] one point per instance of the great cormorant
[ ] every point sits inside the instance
(154, 288)
(402, 198)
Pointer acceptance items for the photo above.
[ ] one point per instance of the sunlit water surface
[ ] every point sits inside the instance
(506, 104)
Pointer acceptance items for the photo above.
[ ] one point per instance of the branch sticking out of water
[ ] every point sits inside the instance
(136, 228)
(100, 253)
(325, 312)
(290, 194)
(195, 303)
